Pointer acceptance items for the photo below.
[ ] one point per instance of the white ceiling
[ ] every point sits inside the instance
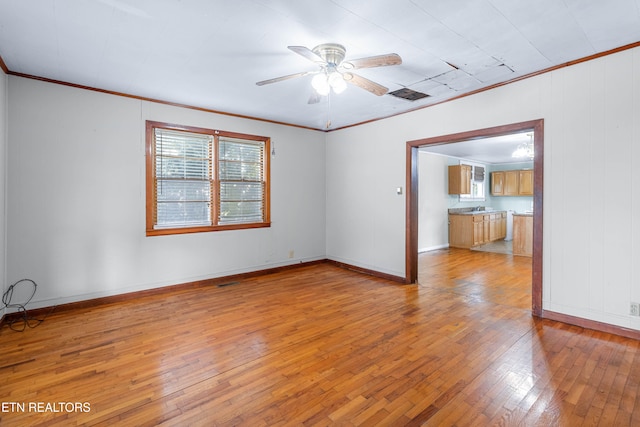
(491, 150)
(210, 53)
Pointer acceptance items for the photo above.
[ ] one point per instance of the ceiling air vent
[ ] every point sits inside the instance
(408, 94)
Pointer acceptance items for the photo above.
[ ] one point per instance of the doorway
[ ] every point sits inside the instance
(411, 246)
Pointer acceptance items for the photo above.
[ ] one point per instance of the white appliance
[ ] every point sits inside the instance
(509, 225)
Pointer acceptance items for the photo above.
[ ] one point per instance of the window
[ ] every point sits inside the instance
(478, 180)
(205, 180)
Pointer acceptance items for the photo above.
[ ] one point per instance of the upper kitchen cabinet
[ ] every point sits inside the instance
(497, 183)
(525, 182)
(460, 179)
(512, 183)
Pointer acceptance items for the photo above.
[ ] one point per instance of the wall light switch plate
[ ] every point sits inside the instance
(399, 191)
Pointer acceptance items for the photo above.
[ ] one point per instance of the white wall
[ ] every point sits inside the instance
(433, 201)
(3, 179)
(76, 197)
(591, 191)
(365, 216)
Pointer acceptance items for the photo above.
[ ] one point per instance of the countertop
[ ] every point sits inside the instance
(523, 214)
(472, 212)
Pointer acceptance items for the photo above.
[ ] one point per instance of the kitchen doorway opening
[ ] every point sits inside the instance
(536, 127)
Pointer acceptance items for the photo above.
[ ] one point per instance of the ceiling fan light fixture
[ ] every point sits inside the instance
(525, 150)
(323, 83)
(337, 83)
(320, 83)
(334, 74)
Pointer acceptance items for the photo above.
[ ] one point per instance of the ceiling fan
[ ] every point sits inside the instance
(335, 72)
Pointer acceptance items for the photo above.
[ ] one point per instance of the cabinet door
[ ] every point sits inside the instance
(523, 235)
(487, 228)
(478, 232)
(466, 179)
(461, 231)
(497, 183)
(494, 227)
(525, 182)
(511, 183)
(460, 179)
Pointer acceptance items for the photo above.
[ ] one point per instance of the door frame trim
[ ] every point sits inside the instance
(411, 238)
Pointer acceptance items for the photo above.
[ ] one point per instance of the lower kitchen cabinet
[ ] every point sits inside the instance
(523, 235)
(479, 230)
(469, 230)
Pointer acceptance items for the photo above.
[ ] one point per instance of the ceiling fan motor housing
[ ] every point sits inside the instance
(331, 53)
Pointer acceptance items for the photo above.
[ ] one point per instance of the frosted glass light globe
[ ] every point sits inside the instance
(336, 82)
(321, 84)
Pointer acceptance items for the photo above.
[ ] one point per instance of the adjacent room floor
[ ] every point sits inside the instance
(489, 276)
(499, 247)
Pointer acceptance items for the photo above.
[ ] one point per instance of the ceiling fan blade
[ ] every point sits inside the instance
(314, 98)
(366, 84)
(372, 61)
(307, 53)
(287, 77)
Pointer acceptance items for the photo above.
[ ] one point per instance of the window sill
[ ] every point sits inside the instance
(206, 229)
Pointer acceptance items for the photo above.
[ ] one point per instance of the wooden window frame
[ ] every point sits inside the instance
(151, 202)
(470, 197)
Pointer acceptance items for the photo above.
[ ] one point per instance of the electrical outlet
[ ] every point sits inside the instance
(291, 253)
(634, 309)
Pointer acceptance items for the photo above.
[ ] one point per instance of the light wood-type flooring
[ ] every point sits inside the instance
(321, 346)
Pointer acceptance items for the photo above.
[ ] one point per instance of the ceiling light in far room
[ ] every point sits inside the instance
(525, 150)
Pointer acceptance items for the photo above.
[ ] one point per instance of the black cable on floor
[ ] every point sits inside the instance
(23, 320)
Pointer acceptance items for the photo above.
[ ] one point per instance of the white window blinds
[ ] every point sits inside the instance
(478, 173)
(240, 170)
(183, 178)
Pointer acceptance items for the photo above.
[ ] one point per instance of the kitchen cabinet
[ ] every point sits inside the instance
(478, 230)
(497, 183)
(494, 227)
(468, 230)
(525, 182)
(523, 234)
(503, 225)
(460, 179)
(462, 231)
(512, 183)
(497, 226)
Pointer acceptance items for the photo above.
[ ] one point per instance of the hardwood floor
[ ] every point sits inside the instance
(321, 345)
(486, 276)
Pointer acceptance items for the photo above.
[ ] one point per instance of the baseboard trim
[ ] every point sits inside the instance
(95, 302)
(433, 248)
(591, 324)
(368, 272)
